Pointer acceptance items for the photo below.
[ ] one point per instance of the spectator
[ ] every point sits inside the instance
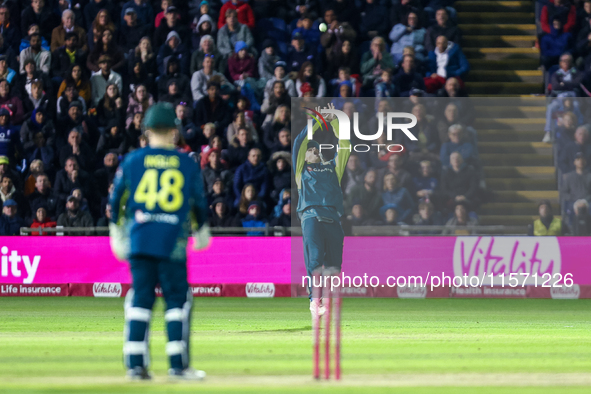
(43, 195)
(425, 184)
(110, 108)
(106, 47)
(279, 74)
(7, 51)
(280, 173)
(68, 25)
(461, 222)
(103, 177)
(37, 99)
(253, 171)
(74, 216)
(353, 174)
(103, 78)
(459, 182)
(244, 13)
(8, 192)
(6, 73)
(458, 142)
(283, 220)
(170, 24)
(409, 33)
(568, 150)
(76, 77)
(37, 122)
(400, 10)
(69, 98)
(25, 43)
(561, 10)
(134, 132)
(389, 215)
(547, 224)
(427, 217)
(375, 61)
(212, 109)
(576, 185)
(66, 57)
(221, 214)
(173, 47)
(143, 8)
(10, 144)
(281, 120)
(10, 222)
(345, 56)
(204, 26)
(42, 220)
(283, 143)
(374, 20)
(395, 165)
(239, 122)
(175, 95)
(555, 44)
(10, 33)
(582, 221)
(131, 31)
(566, 80)
(112, 140)
(307, 74)
(583, 15)
(201, 78)
(393, 194)
(566, 126)
(255, 217)
(41, 56)
(13, 104)
(232, 32)
(583, 42)
(248, 195)
(173, 71)
(367, 195)
(207, 49)
(445, 61)
(268, 59)
(142, 65)
(408, 78)
(78, 148)
(339, 31)
(215, 170)
(36, 168)
(186, 126)
(69, 178)
(358, 216)
(443, 28)
(241, 64)
(93, 8)
(299, 53)
(40, 15)
(308, 32)
(427, 146)
(41, 151)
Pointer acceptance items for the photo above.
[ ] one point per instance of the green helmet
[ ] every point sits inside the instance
(160, 116)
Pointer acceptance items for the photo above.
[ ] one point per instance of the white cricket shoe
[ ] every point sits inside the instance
(316, 308)
(188, 374)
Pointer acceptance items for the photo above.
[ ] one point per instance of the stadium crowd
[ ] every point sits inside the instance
(76, 77)
(565, 46)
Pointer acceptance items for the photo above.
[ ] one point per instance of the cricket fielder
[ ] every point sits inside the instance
(157, 201)
(320, 204)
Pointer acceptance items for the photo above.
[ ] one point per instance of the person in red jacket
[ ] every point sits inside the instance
(42, 220)
(242, 64)
(561, 9)
(245, 14)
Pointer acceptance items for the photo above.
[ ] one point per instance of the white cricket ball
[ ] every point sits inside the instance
(322, 27)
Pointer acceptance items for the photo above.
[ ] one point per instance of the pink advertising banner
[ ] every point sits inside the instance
(242, 260)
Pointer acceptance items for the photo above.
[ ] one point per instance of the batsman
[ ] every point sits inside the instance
(320, 204)
(157, 202)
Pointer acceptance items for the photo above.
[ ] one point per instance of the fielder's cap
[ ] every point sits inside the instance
(4, 112)
(297, 36)
(240, 45)
(313, 144)
(75, 103)
(10, 203)
(130, 10)
(171, 9)
(4, 160)
(160, 116)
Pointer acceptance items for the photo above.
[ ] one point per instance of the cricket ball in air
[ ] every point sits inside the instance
(322, 27)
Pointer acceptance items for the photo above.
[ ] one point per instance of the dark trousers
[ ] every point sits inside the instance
(323, 244)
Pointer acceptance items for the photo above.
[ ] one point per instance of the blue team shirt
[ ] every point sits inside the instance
(158, 195)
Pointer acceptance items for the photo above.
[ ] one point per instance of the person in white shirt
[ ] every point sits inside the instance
(101, 79)
(41, 56)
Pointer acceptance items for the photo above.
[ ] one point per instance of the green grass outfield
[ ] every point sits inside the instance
(73, 345)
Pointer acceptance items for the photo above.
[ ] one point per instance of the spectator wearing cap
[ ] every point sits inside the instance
(131, 31)
(144, 10)
(408, 78)
(309, 33)
(201, 78)
(576, 184)
(568, 150)
(547, 224)
(299, 53)
(103, 78)
(6, 169)
(232, 32)
(171, 23)
(6, 72)
(40, 14)
(562, 10)
(244, 13)
(253, 171)
(443, 27)
(25, 43)
(280, 74)
(207, 49)
(204, 26)
(173, 47)
(42, 220)
(375, 60)
(268, 59)
(307, 74)
(212, 108)
(10, 143)
(8, 192)
(41, 56)
(78, 148)
(255, 217)
(68, 25)
(10, 221)
(74, 216)
(67, 56)
(446, 61)
(38, 121)
(241, 64)
(10, 33)
(555, 44)
(461, 222)
(106, 46)
(68, 99)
